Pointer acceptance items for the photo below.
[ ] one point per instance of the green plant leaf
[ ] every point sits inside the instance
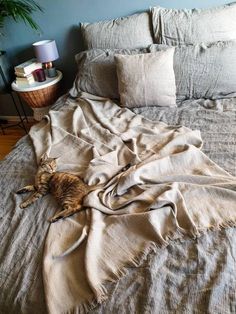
(19, 10)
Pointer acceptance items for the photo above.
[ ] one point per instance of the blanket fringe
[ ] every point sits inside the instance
(172, 237)
(224, 225)
(84, 307)
(101, 293)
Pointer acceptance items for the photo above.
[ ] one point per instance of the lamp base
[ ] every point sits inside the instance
(51, 72)
(49, 69)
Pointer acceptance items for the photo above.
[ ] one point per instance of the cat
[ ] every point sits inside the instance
(68, 189)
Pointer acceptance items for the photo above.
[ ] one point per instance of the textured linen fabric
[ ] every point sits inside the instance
(194, 276)
(204, 70)
(144, 207)
(146, 79)
(97, 72)
(133, 31)
(174, 27)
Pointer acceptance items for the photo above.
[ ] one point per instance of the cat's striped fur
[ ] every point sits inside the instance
(68, 189)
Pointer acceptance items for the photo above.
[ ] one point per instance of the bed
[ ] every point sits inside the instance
(191, 274)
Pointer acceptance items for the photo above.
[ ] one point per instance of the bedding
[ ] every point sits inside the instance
(97, 72)
(205, 264)
(182, 26)
(146, 79)
(204, 70)
(153, 202)
(131, 32)
(189, 271)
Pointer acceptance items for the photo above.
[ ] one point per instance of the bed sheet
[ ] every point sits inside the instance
(196, 276)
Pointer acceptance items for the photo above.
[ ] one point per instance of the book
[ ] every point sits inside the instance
(28, 78)
(17, 74)
(28, 66)
(24, 84)
(25, 81)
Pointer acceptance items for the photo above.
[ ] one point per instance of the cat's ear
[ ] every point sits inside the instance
(44, 157)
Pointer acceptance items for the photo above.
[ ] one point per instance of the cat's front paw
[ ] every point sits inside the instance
(55, 218)
(23, 205)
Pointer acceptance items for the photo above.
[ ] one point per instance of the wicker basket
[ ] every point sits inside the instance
(43, 97)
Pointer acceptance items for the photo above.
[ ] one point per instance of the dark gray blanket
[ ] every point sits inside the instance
(196, 276)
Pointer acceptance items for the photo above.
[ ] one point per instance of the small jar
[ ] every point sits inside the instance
(39, 75)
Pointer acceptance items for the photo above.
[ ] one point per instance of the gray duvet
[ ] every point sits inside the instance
(195, 276)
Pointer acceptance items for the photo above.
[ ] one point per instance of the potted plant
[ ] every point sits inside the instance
(18, 10)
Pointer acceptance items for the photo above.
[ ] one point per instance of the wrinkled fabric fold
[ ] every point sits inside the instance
(158, 187)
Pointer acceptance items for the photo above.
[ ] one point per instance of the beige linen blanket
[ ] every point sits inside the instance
(158, 187)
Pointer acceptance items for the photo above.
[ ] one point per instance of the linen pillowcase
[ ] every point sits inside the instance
(146, 79)
(97, 72)
(174, 27)
(204, 70)
(133, 31)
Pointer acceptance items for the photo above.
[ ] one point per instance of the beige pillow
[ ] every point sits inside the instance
(146, 79)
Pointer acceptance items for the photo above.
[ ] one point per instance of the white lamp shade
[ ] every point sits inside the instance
(46, 50)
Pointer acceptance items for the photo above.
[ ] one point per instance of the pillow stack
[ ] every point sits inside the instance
(205, 54)
(119, 59)
(150, 59)
(96, 66)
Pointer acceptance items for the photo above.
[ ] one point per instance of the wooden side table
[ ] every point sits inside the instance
(40, 95)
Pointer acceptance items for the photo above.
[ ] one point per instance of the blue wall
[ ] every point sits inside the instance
(60, 21)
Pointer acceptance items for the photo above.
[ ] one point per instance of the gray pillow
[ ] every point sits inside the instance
(97, 72)
(204, 70)
(127, 32)
(146, 79)
(174, 27)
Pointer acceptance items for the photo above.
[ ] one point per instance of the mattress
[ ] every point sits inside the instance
(194, 276)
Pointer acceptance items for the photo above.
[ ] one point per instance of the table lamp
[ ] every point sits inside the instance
(46, 52)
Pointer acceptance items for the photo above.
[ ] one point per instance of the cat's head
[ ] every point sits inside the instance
(48, 164)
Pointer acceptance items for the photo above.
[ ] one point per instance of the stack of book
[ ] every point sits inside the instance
(24, 72)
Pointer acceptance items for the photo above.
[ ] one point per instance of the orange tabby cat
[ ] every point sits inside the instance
(68, 189)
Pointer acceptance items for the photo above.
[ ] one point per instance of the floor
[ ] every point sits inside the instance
(11, 136)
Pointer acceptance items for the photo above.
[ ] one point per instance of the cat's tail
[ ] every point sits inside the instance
(77, 243)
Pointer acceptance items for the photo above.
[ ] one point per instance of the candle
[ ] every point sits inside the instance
(39, 75)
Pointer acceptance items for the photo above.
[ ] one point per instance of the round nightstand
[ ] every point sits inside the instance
(40, 95)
